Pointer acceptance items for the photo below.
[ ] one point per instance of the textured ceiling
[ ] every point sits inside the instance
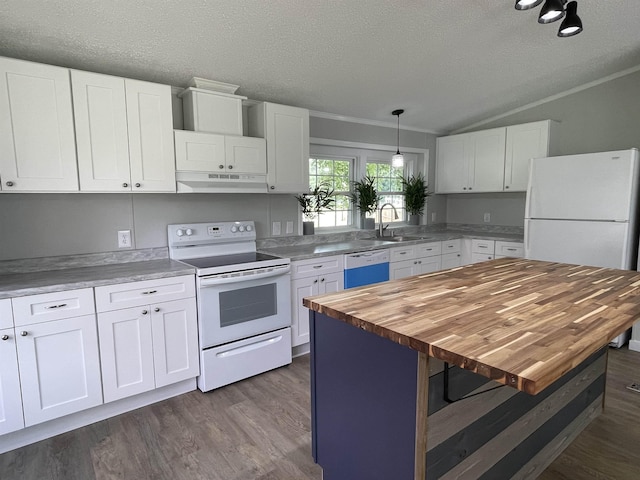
(447, 63)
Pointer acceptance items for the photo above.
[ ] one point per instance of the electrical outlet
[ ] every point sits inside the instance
(289, 226)
(275, 228)
(487, 217)
(124, 238)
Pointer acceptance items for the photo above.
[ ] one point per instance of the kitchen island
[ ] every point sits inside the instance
(483, 371)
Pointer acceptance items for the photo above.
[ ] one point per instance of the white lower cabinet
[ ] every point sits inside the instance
(11, 418)
(149, 345)
(312, 277)
(59, 368)
(509, 249)
(451, 253)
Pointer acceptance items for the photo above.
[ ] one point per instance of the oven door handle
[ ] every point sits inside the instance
(207, 282)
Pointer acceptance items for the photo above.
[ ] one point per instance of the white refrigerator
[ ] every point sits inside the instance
(582, 209)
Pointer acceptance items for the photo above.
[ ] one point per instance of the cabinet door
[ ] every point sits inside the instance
(37, 142)
(59, 368)
(452, 166)
(11, 418)
(126, 352)
(429, 264)
(150, 125)
(480, 257)
(526, 141)
(331, 282)
(199, 152)
(99, 105)
(246, 155)
(300, 288)
(287, 135)
(403, 269)
(175, 341)
(487, 162)
(451, 260)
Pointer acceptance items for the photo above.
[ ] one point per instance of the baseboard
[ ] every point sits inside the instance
(300, 350)
(35, 433)
(634, 345)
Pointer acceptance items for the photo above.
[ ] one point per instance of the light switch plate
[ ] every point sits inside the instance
(289, 226)
(124, 238)
(275, 228)
(487, 217)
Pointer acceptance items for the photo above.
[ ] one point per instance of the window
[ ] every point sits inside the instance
(389, 187)
(335, 173)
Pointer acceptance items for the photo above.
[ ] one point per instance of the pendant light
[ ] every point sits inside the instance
(551, 11)
(527, 4)
(571, 25)
(398, 159)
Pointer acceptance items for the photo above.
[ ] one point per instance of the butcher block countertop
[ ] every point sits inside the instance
(523, 323)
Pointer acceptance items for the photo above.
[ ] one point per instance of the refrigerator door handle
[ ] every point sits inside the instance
(528, 201)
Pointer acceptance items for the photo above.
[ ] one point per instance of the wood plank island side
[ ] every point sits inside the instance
(523, 323)
(368, 370)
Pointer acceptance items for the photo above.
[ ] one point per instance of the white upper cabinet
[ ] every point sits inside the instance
(526, 141)
(99, 104)
(286, 130)
(493, 160)
(470, 162)
(124, 134)
(37, 144)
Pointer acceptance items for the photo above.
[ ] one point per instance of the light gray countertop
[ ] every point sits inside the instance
(313, 250)
(32, 283)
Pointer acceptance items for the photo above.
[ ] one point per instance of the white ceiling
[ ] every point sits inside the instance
(447, 63)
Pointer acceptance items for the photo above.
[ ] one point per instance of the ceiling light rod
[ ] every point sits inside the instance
(398, 159)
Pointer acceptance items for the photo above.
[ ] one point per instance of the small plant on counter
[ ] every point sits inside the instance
(318, 199)
(415, 194)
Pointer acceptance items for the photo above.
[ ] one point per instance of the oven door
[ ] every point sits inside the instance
(236, 306)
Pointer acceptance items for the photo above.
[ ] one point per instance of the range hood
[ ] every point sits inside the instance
(205, 182)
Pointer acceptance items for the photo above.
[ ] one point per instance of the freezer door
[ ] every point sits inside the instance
(598, 244)
(595, 186)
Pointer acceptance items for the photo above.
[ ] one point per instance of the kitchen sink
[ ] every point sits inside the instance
(398, 238)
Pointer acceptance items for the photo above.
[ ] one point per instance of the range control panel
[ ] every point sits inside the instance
(211, 233)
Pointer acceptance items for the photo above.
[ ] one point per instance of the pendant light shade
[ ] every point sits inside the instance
(571, 25)
(527, 4)
(551, 11)
(398, 159)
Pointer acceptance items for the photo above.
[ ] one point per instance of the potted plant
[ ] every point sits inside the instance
(415, 197)
(365, 197)
(312, 204)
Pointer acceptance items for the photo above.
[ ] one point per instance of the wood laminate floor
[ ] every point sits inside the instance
(260, 429)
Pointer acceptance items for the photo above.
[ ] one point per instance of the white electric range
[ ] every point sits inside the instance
(243, 297)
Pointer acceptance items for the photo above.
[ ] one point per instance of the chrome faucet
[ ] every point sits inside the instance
(381, 229)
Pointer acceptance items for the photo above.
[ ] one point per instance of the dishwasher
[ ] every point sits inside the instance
(365, 268)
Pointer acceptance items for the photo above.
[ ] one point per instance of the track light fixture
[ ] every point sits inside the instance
(554, 10)
(398, 159)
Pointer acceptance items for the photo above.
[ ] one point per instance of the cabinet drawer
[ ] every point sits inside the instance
(52, 306)
(133, 294)
(483, 246)
(451, 246)
(399, 254)
(428, 249)
(509, 249)
(481, 257)
(6, 315)
(316, 266)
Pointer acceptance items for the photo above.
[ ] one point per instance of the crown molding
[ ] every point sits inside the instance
(377, 123)
(557, 96)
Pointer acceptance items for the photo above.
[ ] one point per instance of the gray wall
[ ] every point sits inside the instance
(601, 118)
(40, 225)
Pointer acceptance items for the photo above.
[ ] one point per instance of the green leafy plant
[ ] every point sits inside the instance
(415, 194)
(365, 196)
(318, 199)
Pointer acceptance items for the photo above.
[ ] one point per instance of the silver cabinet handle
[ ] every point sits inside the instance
(403, 253)
(5, 337)
(272, 187)
(511, 249)
(230, 167)
(138, 185)
(125, 185)
(469, 188)
(157, 309)
(220, 167)
(149, 292)
(322, 279)
(506, 186)
(23, 333)
(482, 246)
(317, 266)
(315, 281)
(144, 312)
(9, 184)
(56, 306)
